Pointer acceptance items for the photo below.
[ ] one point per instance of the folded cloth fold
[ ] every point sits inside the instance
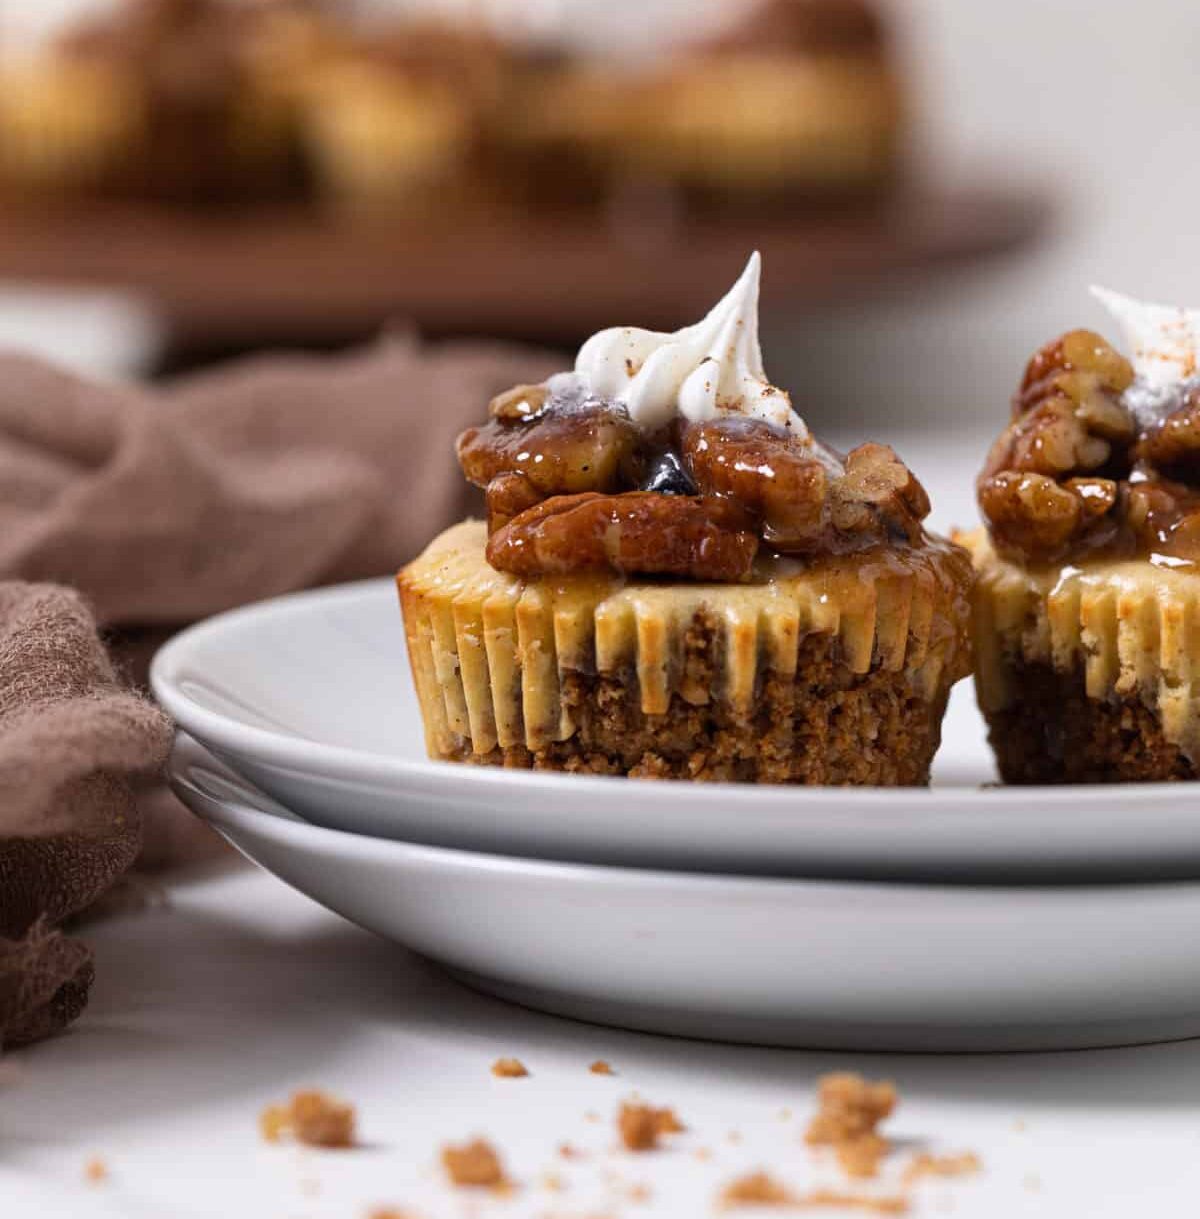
(162, 504)
(263, 476)
(72, 743)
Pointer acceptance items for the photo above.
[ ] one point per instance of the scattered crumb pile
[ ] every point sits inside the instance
(313, 1118)
(474, 1164)
(965, 1164)
(95, 1171)
(849, 1110)
(641, 1126)
(761, 1189)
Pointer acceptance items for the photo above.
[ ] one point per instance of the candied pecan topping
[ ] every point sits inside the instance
(733, 480)
(764, 469)
(1078, 351)
(1173, 446)
(1052, 482)
(509, 495)
(568, 448)
(805, 504)
(1050, 439)
(878, 495)
(1163, 517)
(705, 537)
(521, 404)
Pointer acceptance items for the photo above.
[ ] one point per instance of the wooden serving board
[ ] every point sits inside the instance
(289, 276)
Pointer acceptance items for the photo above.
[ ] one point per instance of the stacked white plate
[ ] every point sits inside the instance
(962, 917)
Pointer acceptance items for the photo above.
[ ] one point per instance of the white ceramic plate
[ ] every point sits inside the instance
(310, 697)
(838, 964)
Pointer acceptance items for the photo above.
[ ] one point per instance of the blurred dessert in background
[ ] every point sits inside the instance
(794, 96)
(188, 99)
(239, 101)
(68, 124)
(400, 118)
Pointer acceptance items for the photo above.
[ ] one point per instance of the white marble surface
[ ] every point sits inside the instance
(238, 990)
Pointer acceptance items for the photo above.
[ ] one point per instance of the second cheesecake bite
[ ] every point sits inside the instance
(677, 580)
(1087, 607)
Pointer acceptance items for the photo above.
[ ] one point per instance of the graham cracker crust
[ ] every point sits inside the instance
(826, 725)
(1051, 732)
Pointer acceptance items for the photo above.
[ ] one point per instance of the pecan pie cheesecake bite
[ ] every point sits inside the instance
(677, 580)
(1087, 602)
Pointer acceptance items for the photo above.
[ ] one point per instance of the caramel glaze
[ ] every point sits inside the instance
(574, 485)
(1086, 470)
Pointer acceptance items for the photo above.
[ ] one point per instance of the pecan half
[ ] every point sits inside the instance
(773, 475)
(567, 448)
(1030, 513)
(509, 495)
(878, 496)
(1052, 439)
(519, 404)
(704, 537)
(1079, 363)
(1173, 446)
(1050, 481)
(1164, 517)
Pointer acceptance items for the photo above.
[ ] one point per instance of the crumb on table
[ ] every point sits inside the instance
(761, 1189)
(849, 1108)
(95, 1171)
(964, 1164)
(756, 1189)
(641, 1126)
(509, 1068)
(311, 1117)
(877, 1204)
(474, 1164)
(600, 1067)
(860, 1157)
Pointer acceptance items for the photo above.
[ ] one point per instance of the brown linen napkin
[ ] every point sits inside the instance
(271, 474)
(71, 743)
(162, 505)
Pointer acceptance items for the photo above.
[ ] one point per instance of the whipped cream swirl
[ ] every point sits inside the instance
(700, 372)
(1163, 344)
